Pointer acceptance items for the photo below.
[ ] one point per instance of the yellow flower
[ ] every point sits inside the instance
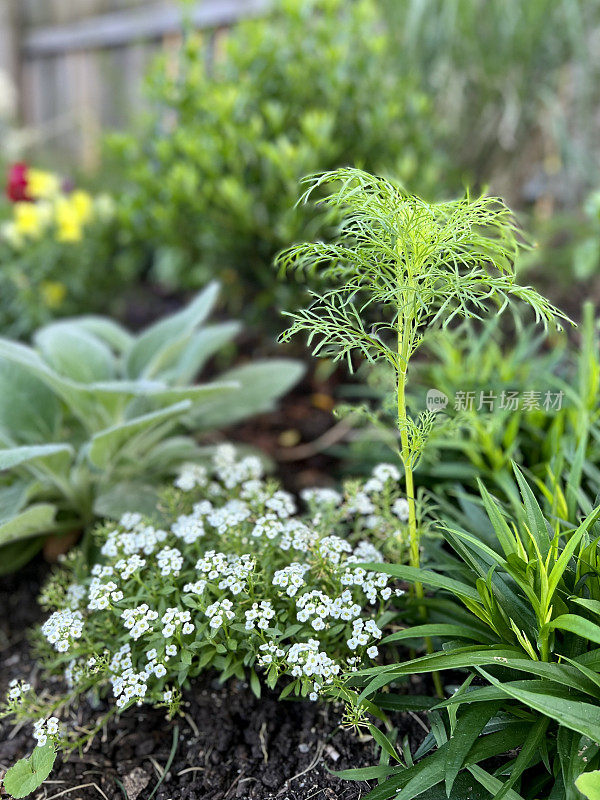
(83, 204)
(68, 221)
(42, 184)
(53, 293)
(28, 219)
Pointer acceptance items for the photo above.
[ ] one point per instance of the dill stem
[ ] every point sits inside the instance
(404, 326)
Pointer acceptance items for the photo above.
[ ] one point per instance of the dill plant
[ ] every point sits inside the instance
(398, 267)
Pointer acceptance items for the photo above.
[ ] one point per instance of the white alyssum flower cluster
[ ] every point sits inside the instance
(44, 729)
(232, 576)
(17, 690)
(62, 628)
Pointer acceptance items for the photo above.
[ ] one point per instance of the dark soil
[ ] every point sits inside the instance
(230, 745)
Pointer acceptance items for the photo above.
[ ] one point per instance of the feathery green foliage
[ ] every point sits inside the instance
(399, 267)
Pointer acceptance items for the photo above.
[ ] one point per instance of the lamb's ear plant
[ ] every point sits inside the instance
(519, 612)
(399, 267)
(93, 418)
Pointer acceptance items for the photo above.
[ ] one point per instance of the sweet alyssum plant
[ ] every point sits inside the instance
(93, 418)
(225, 574)
(399, 267)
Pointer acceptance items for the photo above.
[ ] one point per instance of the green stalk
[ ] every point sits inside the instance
(413, 532)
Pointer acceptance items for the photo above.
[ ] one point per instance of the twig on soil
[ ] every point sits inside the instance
(263, 742)
(233, 785)
(310, 767)
(159, 770)
(192, 724)
(419, 721)
(191, 769)
(74, 789)
(328, 439)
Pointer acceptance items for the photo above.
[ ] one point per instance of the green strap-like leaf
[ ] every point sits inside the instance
(426, 577)
(492, 784)
(573, 714)
(443, 630)
(526, 757)
(536, 522)
(468, 727)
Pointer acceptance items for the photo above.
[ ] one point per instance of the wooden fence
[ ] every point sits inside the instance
(79, 64)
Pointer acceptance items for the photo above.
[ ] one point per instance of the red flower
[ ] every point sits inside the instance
(16, 188)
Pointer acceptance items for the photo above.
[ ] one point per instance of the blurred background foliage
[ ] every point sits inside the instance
(439, 94)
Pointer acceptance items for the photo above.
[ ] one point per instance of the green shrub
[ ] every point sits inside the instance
(224, 574)
(213, 180)
(91, 417)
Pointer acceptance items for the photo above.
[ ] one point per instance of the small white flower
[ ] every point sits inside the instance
(400, 509)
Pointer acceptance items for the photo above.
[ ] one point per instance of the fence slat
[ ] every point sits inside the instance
(124, 27)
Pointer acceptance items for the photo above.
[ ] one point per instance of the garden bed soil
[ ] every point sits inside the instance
(230, 744)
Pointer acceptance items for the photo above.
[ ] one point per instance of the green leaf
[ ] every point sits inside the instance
(202, 345)
(106, 444)
(488, 746)
(589, 784)
(29, 411)
(492, 784)
(526, 756)
(170, 454)
(591, 605)
(75, 353)
(260, 385)
(573, 714)
(452, 659)
(564, 558)
(468, 728)
(105, 329)
(29, 773)
(56, 457)
(14, 497)
(428, 578)
(16, 555)
(255, 684)
(82, 401)
(536, 522)
(147, 348)
(576, 624)
(383, 742)
(443, 630)
(36, 519)
(505, 536)
(126, 496)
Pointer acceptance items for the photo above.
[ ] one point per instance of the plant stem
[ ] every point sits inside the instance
(404, 324)
(404, 327)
